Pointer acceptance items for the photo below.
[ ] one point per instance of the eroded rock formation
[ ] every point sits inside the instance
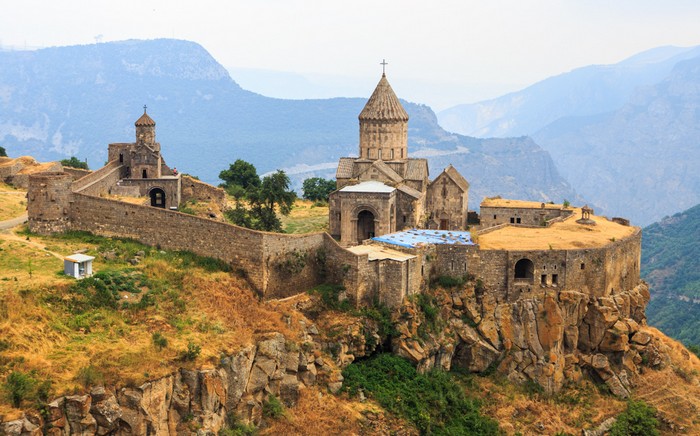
(548, 337)
(189, 401)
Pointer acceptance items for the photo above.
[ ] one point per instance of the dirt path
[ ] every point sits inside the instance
(13, 222)
(7, 234)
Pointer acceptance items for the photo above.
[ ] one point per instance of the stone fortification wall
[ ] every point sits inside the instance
(538, 217)
(276, 264)
(76, 173)
(48, 202)
(622, 264)
(349, 270)
(456, 260)
(241, 247)
(98, 182)
(292, 263)
(9, 169)
(596, 271)
(170, 187)
(193, 189)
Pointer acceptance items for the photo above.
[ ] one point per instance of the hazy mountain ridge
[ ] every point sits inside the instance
(584, 91)
(671, 265)
(67, 101)
(641, 160)
(624, 135)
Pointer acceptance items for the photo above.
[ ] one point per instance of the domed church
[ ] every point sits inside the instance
(384, 190)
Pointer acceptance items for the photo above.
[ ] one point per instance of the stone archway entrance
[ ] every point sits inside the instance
(365, 225)
(157, 197)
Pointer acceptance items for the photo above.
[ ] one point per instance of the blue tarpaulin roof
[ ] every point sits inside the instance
(412, 238)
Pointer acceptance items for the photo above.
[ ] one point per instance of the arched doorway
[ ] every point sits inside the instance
(365, 225)
(157, 197)
(524, 270)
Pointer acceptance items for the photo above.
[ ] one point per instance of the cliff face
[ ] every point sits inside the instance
(190, 399)
(548, 337)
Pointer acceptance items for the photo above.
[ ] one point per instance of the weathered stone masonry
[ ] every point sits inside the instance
(268, 259)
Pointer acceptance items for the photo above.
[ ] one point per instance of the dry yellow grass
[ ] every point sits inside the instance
(13, 202)
(306, 217)
(675, 390)
(569, 412)
(217, 311)
(563, 235)
(318, 413)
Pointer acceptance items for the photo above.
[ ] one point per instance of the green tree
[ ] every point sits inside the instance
(240, 173)
(74, 162)
(3, 153)
(274, 194)
(317, 188)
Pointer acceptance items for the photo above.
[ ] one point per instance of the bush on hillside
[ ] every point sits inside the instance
(638, 420)
(433, 402)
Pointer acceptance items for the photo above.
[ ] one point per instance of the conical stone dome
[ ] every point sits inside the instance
(383, 104)
(383, 126)
(145, 120)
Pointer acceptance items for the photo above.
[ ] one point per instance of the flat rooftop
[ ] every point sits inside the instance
(564, 235)
(518, 204)
(369, 186)
(415, 237)
(377, 252)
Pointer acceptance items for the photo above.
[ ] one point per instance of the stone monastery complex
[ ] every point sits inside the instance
(392, 229)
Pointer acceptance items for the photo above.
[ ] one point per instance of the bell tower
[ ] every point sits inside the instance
(146, 130)
(383, 125)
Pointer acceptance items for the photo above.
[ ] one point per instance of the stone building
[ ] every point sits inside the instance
(144, 170)
(384, 190)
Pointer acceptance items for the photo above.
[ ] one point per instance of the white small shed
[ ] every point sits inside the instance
(78, 265)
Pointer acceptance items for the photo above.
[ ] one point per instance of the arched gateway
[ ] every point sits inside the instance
(365, 225)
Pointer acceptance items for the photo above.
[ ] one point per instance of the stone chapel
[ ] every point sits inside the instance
(384, 190)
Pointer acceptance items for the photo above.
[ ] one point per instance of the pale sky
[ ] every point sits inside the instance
(439, 52)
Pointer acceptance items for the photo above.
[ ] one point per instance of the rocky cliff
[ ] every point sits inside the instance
(192, 400)
(549, 337)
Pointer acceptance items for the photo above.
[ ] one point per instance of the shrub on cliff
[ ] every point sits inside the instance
(638, 420)
(433, 402)
(3, 153)
(25, 386)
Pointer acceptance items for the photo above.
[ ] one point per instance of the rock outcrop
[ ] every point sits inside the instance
(547, 337)
(191, 400)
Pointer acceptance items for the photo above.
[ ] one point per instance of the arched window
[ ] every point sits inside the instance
(524, 270)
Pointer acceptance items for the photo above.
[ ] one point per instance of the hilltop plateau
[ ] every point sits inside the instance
(169, 341)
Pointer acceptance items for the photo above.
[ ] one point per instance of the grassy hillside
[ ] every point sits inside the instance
(128, 323)
(671, 265)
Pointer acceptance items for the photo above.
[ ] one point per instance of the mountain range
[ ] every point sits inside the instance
(624, 135)
(64, 101)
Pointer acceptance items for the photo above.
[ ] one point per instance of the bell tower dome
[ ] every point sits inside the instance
(145, 130)
(383, 125)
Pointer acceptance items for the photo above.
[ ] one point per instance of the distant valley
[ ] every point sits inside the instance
(624, 135)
